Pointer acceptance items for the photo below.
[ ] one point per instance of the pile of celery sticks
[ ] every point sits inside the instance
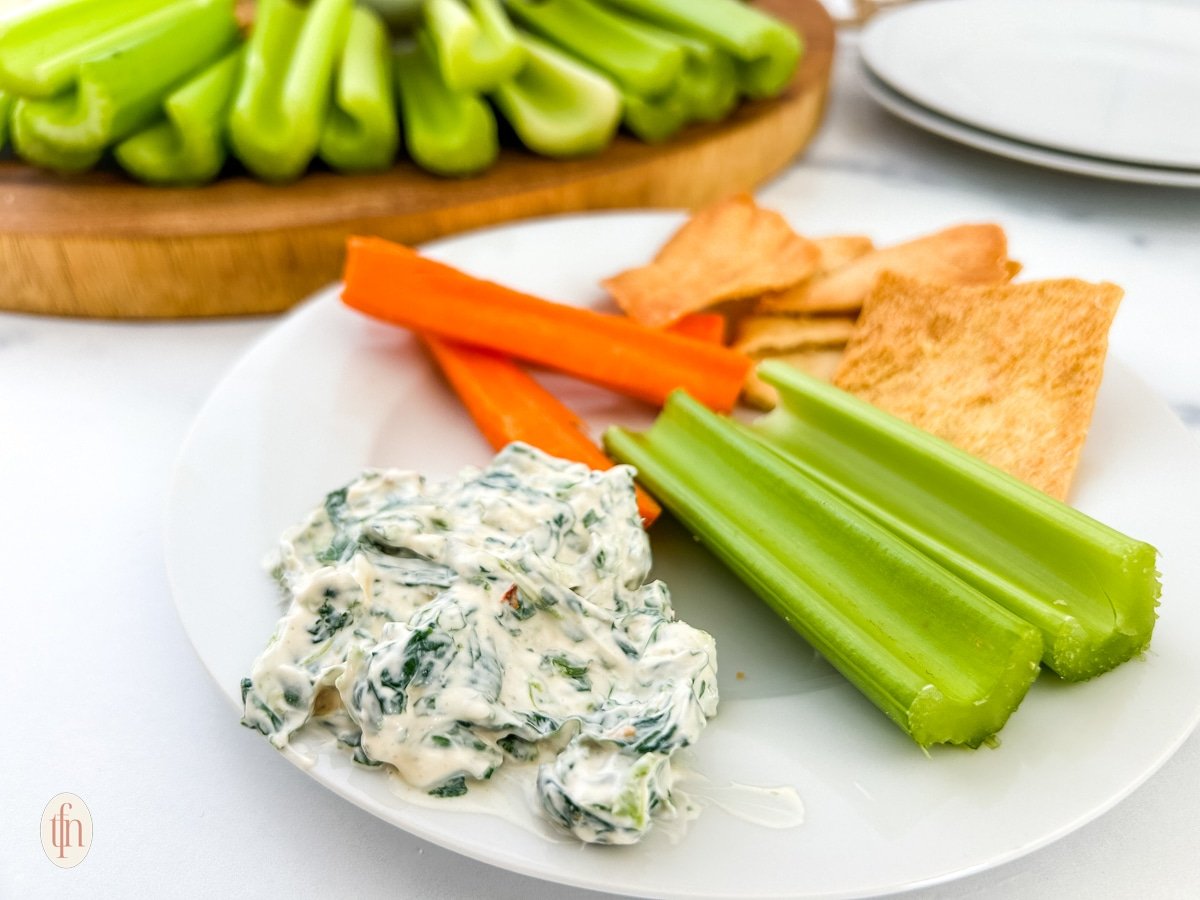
(170, 88)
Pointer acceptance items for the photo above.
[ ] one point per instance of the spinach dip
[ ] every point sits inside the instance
(447, 628)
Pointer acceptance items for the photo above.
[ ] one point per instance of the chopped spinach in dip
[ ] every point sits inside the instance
(447, 628)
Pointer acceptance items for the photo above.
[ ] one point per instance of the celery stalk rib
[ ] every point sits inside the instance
(41, 51)
(558, 106)
(188, 145)
(361, 133)
(765, 49)
(121, 92)
(280, 107)
(475, 44)
(944, 662)
(639, 60)
(1091, 590)
(447, 132)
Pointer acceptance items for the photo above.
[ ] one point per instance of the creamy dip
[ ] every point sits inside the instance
(448, 627)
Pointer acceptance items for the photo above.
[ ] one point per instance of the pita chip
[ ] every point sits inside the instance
(1007, 372)
(732, 250)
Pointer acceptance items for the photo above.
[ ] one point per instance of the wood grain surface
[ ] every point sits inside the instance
(100, 245)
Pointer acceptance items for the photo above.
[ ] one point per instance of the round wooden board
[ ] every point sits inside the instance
(100, 245)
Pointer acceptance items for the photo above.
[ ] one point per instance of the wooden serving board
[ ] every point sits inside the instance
(100, 245)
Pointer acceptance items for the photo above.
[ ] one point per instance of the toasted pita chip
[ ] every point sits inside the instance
(820, 362)
(964, 254)
(771, 335)
(837, 250)
(1006, 372)
(729, 251)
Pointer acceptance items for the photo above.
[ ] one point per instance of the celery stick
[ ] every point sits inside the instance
(188, 145)
(944, 662)
(361, 133)
(638, 60)
(1091, 590)
(280, 107)
(121, 92)
(475, 44)
(447, 132)
(766, 49)
(709, 84)
(656, 119)
(41, 49)
(6, 104)
(558, 106)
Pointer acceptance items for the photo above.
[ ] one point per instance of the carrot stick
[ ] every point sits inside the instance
(707, 327)
(509, 405)
(396, 284)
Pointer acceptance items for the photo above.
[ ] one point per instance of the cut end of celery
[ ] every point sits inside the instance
(1077, 653)
(935, 718)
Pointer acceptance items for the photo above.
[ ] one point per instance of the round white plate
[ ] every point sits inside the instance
(329, 392)
(1113, 79)
(915, 114)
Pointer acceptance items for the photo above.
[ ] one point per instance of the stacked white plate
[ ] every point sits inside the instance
(1107, 88)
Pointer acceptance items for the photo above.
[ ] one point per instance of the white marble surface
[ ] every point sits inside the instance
(107, 699)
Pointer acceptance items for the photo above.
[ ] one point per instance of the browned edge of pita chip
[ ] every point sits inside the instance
(769, 335)
(731, 250)
(962, 254)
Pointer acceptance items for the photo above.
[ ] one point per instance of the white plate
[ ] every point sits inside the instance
(915, 114)
(1113, 79)
(329, 392)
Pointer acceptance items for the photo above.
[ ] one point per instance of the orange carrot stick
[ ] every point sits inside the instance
(707, 327)
(396, 284)
(509, 405)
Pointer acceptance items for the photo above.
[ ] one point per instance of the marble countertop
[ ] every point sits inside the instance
(108, 700)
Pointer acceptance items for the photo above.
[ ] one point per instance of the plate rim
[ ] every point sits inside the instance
(951, 12)
(933, 122)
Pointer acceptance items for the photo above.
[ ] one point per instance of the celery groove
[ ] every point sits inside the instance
(360, 132)
(281, 104)
(639, 60)
(447, 132)
(120, 91)
(475, 44)
(41, 52)
(943, 661)
(1091, 590)
(188, 145)
(558, 106)
(765, 49)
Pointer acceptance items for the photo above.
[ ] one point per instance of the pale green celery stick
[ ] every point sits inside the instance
(766, 50)
(6, 104)
(188, 145)
(557, 106)
(1091, 590)
(361, 133)
(281, 104)
(475, 44)
(655, 119)
(41, 49)
(638, 60)
(122, 92)
(709, 84)
(944, 662)
(446, 132)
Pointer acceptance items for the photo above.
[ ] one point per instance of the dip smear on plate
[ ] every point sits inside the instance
(448, 627)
